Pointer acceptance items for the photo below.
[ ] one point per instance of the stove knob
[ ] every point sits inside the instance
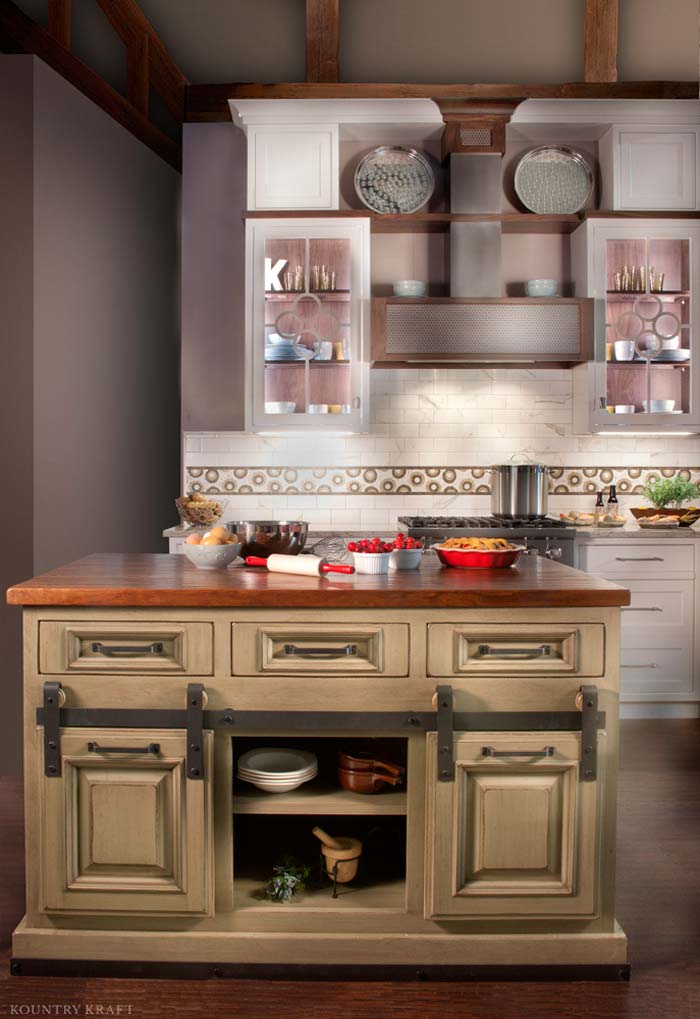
(552, 551)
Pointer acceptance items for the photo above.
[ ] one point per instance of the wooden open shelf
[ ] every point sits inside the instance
(312, 362)
(352, 897)
(439, 222)
(317, 799)
(291, 295)
(641, 364)
(632, 295)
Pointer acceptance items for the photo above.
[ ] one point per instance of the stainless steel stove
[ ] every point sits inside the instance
(541, 535)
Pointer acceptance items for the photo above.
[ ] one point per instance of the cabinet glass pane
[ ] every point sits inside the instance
(648, 328)
(306, 346)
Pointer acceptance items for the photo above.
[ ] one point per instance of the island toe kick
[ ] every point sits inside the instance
(463, 760)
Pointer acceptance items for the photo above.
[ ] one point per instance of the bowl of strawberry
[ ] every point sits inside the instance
(406, 554)
(374, 555)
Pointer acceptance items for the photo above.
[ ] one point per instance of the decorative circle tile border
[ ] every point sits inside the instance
(412, 480)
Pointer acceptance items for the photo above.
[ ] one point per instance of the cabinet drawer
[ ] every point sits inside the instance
(660, 614)
(150, 648)
(318, 648)
(523, 648)
(655, 672)
(636, 560)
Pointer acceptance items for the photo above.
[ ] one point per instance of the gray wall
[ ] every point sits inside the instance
(213, 277)
(16, 396)
(97, 454)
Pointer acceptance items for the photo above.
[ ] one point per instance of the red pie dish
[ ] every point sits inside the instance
(479, 559)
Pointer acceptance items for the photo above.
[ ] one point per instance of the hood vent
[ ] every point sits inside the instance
(475, 248)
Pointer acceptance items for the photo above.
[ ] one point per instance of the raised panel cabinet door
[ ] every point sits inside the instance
(127, 832)
(293, 167)
(658, 170)
(513, 835)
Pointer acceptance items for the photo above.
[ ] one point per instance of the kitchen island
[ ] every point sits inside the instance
(496, 692)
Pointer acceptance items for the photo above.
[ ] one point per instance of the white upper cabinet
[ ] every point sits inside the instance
(651, 168)
(643, 276)
(307, 328)
(293, 166)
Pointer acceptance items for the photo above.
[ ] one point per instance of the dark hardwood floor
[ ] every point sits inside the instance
(658, 905)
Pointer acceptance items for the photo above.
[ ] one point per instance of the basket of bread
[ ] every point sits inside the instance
(478, 553)
(197, 511)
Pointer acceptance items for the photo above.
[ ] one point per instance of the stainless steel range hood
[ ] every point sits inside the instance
(475, 248)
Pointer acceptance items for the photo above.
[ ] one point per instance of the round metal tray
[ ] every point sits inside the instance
(553, 180)
(392, 179)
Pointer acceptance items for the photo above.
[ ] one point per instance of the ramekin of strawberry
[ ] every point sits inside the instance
(406, 554)
(371, 555)
(374, 555)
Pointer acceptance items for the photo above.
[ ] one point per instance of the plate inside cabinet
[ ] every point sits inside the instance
(553, 180)
(394, 179)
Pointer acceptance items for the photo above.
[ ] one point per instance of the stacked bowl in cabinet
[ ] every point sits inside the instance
(277, 769)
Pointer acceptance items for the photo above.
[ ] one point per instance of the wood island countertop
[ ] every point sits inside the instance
(124, 580)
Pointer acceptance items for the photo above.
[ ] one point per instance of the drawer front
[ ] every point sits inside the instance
(655, 672)
(143, 648)
(630, 560)
(660, 614)
(519, 649)
(318, 649)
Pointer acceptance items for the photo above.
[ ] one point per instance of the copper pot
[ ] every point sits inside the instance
(363, 761)
(366, 781)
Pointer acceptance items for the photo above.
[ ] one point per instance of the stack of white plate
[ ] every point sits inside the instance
(277, 769)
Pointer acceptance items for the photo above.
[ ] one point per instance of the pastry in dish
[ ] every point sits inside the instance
(477, 544)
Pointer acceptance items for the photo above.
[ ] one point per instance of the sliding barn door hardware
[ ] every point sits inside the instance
(195, 725)
(445, 732)
(589, 733)
(52, 722)
(444, 720)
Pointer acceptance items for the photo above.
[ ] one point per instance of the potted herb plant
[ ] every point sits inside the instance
(667, 495)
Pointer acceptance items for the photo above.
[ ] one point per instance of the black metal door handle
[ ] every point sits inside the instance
(491, 752)
(155, 648)
(152, 748)
(327, 652)
(543, 651)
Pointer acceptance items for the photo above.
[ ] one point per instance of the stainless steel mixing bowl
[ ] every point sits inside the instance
(263, 537)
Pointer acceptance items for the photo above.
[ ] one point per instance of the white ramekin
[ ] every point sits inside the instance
(405, 558)
(371, 562)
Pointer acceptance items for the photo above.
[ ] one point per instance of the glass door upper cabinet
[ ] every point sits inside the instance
(308, 292)
(644, 276)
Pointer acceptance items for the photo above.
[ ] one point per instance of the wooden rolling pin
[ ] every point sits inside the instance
(305, 566)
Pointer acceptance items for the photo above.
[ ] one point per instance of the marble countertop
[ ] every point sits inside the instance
(631, 529)
(585, 535)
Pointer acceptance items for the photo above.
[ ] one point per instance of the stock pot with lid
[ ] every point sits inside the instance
(519, 490)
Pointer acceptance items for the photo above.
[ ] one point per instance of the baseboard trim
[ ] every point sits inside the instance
(89, 968)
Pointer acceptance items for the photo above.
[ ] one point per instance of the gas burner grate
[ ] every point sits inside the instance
(459, 523)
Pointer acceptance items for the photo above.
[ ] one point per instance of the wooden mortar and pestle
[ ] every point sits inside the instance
(341, 855)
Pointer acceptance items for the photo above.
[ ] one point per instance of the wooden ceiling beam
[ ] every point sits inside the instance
(322, 40)
(19, 34)
(137, 78)
(59, 21)
(210, 102)
(600, 41)
(131, 25)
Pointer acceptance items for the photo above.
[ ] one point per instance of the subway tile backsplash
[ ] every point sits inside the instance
(432, 433)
